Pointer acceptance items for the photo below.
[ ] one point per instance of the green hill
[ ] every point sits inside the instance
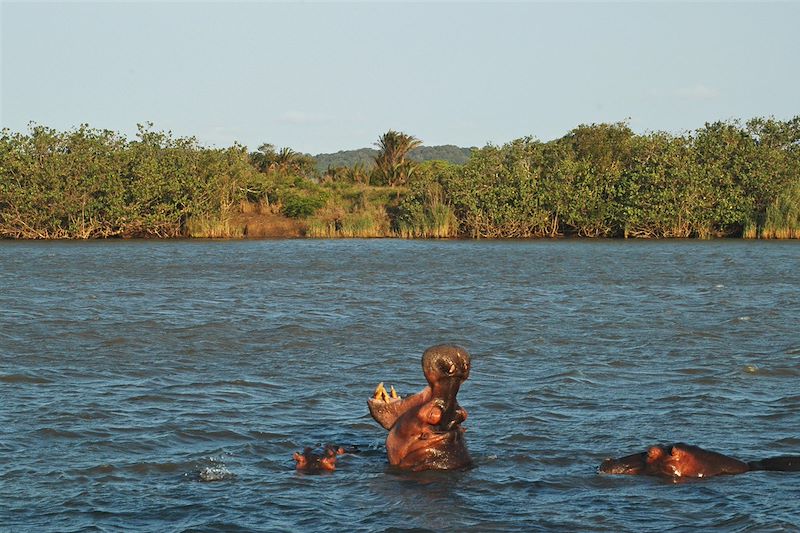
(365, 156)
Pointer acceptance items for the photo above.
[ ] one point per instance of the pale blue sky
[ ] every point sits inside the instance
(321, 77)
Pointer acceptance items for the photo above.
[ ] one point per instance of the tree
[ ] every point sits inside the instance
(285, 160)
(392, 168)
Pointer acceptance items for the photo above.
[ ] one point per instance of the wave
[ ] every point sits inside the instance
(24, 378)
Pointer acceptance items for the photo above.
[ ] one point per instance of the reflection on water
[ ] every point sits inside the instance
(165, 385)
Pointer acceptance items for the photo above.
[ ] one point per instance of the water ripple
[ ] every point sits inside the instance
(165, 385)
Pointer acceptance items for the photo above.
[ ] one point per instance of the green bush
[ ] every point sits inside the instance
(299, 206)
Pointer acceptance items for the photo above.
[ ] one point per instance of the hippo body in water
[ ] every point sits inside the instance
(425, 430)
(686, 461)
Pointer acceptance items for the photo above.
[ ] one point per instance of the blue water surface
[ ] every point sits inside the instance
(164, 385)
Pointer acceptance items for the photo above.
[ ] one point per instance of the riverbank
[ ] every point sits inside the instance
(599, 181)
(275, 226)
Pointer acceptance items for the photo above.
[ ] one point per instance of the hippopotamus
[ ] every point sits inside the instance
(681, 460)
(313, 462)
(425, 430)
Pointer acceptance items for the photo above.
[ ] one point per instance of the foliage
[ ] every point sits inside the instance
(391, 166)
(285, 160)
(599, 180)
(495, 194)
(602, 180)
(782, 220)
(88, 183)
(357, 173)
(297, 205)
(425, 211)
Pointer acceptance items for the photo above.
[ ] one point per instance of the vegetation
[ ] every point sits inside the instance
(599, 180)
(285, 160)
(88, 183)
(604, 181)
(391, 166)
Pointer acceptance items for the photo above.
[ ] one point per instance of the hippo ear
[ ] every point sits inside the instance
(654, 453)
(678, 452)
(328, 463)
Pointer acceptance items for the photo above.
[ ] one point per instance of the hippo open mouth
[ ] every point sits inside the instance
(387, 406)
(425, 428)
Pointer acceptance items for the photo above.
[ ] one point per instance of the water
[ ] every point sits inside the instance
(163, 386)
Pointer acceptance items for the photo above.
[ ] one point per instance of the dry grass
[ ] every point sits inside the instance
(780, 233)
(334, 222)
(214, 228)
(253, 221)
(750, 232)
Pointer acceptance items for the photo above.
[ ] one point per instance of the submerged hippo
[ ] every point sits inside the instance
(686, 461)
(425, 430)
(313, 462)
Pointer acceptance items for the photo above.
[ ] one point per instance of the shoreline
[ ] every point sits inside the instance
(401, 238)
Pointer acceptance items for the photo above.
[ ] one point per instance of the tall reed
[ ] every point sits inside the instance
(372, 222)
(783, 216)
(435, 222)
(213, 228)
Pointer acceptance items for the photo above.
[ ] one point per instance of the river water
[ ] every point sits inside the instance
(163, 386)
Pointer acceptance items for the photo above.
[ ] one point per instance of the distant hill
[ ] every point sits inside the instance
(366, 156)
(346, 158)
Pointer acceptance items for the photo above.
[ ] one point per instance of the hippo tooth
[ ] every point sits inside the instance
(380, 391)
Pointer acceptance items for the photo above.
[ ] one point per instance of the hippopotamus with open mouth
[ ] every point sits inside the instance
(686, 461)
(425, 430)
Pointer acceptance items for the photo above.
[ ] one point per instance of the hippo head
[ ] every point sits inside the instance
(630, 464)
(310, 461)
(675, 461)
(446, 367)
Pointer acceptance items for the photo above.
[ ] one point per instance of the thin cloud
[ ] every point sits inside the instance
(303, 118)
(697, 92)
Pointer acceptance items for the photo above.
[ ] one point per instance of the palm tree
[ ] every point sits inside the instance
(267, 159)
(391, 165)
(286, 159)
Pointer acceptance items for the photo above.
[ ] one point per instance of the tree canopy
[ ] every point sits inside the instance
(598, 180)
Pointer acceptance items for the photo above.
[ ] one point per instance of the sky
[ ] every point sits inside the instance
(323, 77)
